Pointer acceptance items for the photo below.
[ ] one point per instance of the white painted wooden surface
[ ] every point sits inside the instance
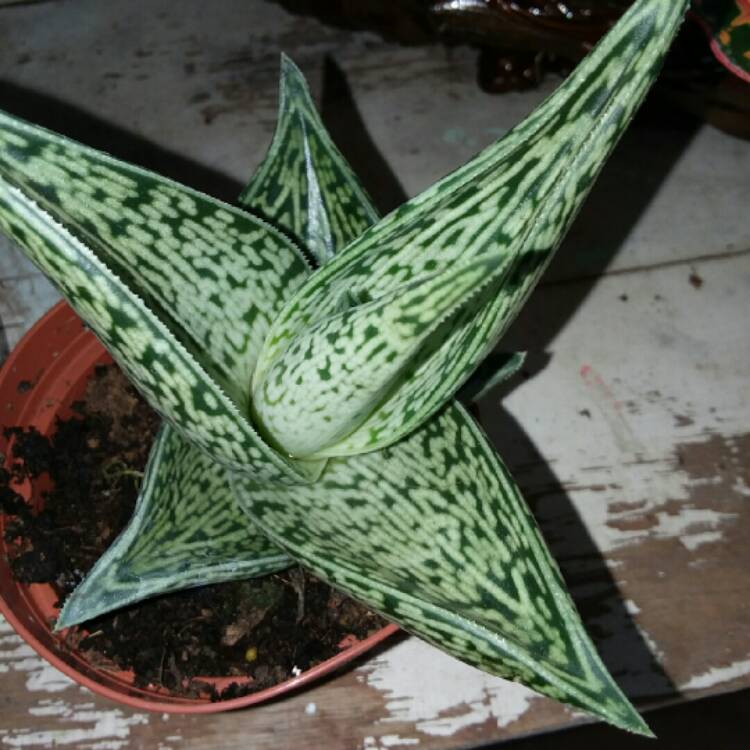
(629, 434)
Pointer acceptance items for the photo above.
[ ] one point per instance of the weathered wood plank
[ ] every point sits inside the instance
(641, 420)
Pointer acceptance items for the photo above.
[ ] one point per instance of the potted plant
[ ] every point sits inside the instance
(313, 390)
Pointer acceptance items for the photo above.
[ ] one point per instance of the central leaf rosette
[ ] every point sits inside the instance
(337, 368)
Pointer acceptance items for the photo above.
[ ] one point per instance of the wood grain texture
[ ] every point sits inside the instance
(628, 433)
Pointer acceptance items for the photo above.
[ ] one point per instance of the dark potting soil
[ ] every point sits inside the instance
(266, 628)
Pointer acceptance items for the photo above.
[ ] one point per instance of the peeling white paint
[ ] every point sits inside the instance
(691, 525)
(61, 721)
(631, 607)
(107, 729)
(392, 740)
(693, 541)
(441, 695)
(717, 675)
(18, 656)
(45, 678)
(656, 651)
(635, 485)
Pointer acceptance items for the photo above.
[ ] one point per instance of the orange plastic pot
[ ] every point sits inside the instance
(41, 379)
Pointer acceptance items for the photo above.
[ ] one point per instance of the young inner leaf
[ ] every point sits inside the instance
(517, 198)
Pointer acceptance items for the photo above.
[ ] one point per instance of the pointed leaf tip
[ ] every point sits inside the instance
(304, 185)
(187, 530)
(433, 533)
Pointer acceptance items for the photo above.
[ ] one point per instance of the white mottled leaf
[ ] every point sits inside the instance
(179, 287)
(391, 330)
(432, 533)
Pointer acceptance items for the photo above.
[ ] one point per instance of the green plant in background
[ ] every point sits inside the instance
(308, 396)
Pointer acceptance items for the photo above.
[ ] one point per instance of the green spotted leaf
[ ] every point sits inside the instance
(392, 329)
(187, 530)
(517, 197)
(437, 538)
(180, 288)
(304, 184)
(182, 485)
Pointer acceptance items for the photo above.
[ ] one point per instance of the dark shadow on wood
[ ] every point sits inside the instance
(82, 126)
(721, 722)
(590, 582)
(648, 151)
(348, 131)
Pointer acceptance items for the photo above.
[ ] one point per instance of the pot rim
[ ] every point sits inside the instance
(61, 323)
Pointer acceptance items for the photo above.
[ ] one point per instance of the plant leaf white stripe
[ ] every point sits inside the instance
(518, 197)
(187, 530)
(433, 533)
(304, 183)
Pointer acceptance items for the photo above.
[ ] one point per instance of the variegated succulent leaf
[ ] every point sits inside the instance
(432, 532)
(181, 485)
(179, 287)
(330, 365)
(187, 530)
(304, 184)
(517, 197)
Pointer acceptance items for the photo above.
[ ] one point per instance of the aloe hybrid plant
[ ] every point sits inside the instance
(305, 355)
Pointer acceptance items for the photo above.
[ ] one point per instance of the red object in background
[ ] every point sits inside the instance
(727, 25)
(43, 376)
